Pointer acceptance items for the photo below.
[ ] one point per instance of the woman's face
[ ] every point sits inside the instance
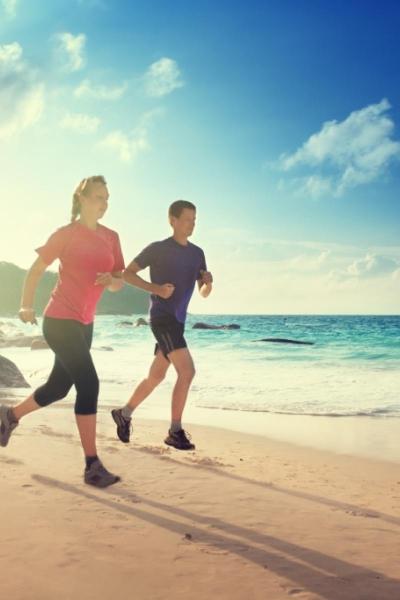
(94, 202)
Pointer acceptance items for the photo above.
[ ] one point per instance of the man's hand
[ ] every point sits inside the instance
(206, 277)
(165, 291)
(27, 315)
(104, 279)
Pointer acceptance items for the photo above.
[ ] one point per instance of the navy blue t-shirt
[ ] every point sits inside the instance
(174, 263)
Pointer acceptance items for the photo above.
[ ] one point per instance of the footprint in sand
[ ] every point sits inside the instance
(362, 513)
(11, 461)
(48, 431)
(154, 450)
(206, 462)
(214, 551)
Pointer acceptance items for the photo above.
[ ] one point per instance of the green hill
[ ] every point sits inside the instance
(126, 302)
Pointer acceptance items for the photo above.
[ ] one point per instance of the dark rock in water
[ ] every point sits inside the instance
(106, 348)
(208, 326)
(10, 375)
(140, 321)
(39, 344)
(19, 341)
(285, 341)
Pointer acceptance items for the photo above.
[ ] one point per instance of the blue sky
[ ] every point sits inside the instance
(279, 120)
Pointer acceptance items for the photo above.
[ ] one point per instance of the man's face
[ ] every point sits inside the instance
(184, 224)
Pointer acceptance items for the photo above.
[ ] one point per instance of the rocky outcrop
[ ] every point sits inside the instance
(285, 341)
(19, 341)
(10, 375)
(208, 326)
(129, 300)
(140, 321)
(39, 344)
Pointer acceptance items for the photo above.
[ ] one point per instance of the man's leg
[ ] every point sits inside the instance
(122, 417)
(184, 366)
(157, 372)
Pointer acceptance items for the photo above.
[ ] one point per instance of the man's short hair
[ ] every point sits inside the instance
(176, 208)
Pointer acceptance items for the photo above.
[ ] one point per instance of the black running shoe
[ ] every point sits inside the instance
(8, 423)
(98, 476)
(124, 426)
(179, 440)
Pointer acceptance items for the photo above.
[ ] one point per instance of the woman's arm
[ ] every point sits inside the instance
(26, 312)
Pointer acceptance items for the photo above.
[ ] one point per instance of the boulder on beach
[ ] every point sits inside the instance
(10, 375)
(39, 344)
(19, 341)
(208, 326)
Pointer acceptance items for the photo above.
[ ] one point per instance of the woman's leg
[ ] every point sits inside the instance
(56, 387)
(71, 341)
(87, 432)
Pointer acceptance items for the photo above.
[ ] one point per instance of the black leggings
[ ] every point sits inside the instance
(70, 341)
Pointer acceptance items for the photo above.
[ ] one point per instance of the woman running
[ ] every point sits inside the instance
(90, 260)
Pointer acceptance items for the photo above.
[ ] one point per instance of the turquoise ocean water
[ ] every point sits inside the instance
(351, 368)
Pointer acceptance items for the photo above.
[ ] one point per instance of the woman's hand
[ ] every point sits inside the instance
(104, 279)
(27, 315)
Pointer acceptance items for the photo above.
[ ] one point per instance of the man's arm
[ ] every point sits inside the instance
(130, 275)
(205, 283)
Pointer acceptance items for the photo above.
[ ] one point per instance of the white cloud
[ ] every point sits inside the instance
(21, 94)
(71, 50)
(355, 151)
(301, 277)
(162, 78)
(9, 8)
(80, 123)
(128, 146)
(87, 90)
(316, 186)
(372, 265)
(10, 58)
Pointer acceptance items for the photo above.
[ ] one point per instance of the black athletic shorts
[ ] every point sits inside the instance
(168, 333)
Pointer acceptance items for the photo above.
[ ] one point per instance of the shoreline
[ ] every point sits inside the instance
(375, 438)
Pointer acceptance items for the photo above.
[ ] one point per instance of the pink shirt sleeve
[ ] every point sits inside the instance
(53, 247)
(119, 263)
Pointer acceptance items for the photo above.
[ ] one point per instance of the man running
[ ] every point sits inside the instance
(175, 266)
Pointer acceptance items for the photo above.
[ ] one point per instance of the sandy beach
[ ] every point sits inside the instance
(242, 517)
